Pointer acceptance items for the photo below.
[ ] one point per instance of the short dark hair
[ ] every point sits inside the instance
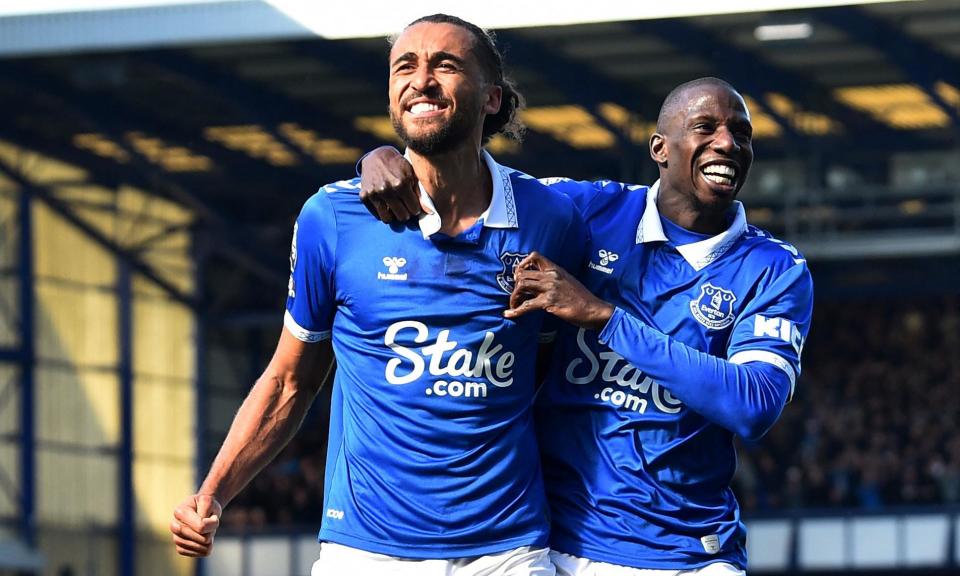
(673, 98)
(507, 120)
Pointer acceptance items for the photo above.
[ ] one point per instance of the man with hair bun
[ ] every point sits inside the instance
(432, 462)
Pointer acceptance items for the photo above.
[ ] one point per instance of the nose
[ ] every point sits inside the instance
(423, 79)
(724, 141)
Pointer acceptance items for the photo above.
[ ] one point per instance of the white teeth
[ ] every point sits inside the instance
(422, 107)
(719, 174)
(718, 179)
(720, 170)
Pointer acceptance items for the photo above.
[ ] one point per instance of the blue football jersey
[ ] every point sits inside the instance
(634, 476)
(432, 450)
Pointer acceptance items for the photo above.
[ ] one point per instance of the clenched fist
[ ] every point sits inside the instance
(195, 522)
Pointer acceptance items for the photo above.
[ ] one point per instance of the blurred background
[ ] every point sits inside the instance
(154, 156)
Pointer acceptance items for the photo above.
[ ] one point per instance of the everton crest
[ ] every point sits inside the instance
(714, 307)
(505, 277)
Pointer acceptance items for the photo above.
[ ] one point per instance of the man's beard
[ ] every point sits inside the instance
(441, 140)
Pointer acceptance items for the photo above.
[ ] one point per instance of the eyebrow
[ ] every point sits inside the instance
(701, 116)
(707, 116)
(440, 56)
(434, 58)
(407, 57)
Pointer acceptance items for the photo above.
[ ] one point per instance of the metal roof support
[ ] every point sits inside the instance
(600, 88)
(127, 527)
(266, 107)
(919, 61)
(64, 210)
(200, 252)
(586, 87)
(113, 117)
(346, 59)
(144, 174)
(28, 445)
(591, 88)
(218, 228)
(745, 69)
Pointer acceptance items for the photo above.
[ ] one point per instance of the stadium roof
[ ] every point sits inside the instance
(51, 25)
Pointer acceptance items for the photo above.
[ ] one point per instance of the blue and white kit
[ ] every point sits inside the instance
(636, 423)
(432, 450)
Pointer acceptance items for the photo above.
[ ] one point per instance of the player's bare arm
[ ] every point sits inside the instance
(267, 419)
(388, 186)
(543, 285)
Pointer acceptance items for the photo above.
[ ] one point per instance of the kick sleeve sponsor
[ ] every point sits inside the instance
(773, 327)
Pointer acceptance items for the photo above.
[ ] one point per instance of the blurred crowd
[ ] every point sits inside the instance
(873, 423)
(874, 419)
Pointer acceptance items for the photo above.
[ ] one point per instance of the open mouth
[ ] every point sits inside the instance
(722, 174)
(426, 108)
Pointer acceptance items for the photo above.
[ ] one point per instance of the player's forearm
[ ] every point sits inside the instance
(745, 399)
(265, 423)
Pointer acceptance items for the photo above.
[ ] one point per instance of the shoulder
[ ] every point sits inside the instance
(615, 200)
(351, 186)
(340, 193)
(769, 252)
(529, 191)
(591, 196)
(611, 190)
(331, 200)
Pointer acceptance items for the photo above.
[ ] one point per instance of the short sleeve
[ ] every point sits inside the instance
(310, 291)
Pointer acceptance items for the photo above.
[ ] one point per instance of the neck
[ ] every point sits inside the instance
(459, 184)
(685, 211)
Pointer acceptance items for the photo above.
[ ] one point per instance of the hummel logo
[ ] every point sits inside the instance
(606, 257)
(393, 264)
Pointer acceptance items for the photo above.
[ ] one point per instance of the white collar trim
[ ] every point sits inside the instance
(698, 254)
(502, 212)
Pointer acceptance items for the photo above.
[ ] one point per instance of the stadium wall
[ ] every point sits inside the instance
(113, 369)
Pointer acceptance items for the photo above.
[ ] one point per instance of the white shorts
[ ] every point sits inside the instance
(568, 565)
(338, 560)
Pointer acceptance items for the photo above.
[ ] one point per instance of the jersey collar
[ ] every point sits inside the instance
(698, 254)
(502, 212)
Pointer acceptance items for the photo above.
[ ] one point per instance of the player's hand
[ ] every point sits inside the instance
(195, 522)
(542, 285)
(388, 186)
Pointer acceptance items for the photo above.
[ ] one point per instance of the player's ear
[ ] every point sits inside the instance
(494, 98)
(658, 148)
